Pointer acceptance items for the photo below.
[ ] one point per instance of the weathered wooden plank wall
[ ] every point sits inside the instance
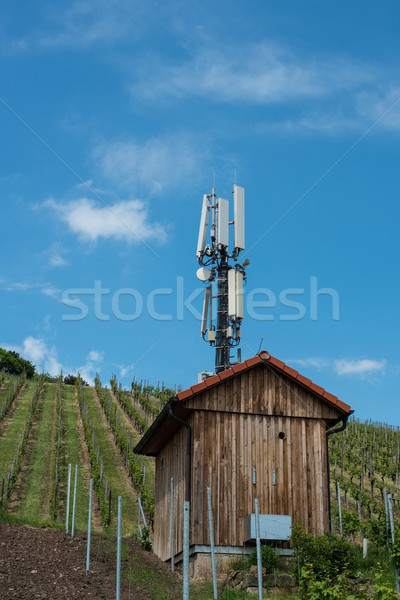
(262, 391)
(174, 454)
(235, 428)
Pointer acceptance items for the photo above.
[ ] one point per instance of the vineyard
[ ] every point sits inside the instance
(47, 426)
(44, 427)
(365, 462)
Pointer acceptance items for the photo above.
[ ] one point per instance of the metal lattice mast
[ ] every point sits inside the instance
(219, 266)
(222, 342)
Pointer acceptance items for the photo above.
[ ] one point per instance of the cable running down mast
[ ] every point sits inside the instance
(221, 267)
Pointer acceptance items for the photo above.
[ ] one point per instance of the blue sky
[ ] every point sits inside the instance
(114, 118)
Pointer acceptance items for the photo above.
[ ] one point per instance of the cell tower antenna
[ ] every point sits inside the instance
(221, 270)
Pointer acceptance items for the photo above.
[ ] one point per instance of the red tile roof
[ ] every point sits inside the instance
(264, 358)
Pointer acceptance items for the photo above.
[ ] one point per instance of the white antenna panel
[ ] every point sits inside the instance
(232, 293)
(223, 222)
(205, 213)
(239, 294)
(211, 307)
(238, 208)
(207, 298)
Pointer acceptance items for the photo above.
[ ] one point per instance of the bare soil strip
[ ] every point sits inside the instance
(45, 564)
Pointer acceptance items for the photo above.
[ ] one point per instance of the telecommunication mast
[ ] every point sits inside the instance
(220, 266)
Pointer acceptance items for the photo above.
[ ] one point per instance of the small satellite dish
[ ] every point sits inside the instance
(203, 274)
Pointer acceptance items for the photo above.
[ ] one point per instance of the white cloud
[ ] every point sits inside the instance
(44, 288)
(20, 287)
(343, 366)
(51, 291)
(56, 260)
(159, 163)
(348, 95)
(95, 356)
(253, 73)
(39, 353)
(126, 220)
(45, 357)
(326, 122)
(360, 112)
(371, 105)
(359, 367)
(34, 349)
(316, 362)
(85, 23)
(54, 255)
(91, 366)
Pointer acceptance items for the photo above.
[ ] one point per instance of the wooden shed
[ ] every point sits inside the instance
(257, 430)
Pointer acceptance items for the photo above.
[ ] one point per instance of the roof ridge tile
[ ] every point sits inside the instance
(266, 358)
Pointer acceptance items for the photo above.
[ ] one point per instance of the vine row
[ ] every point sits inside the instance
(6, 488)
(56, 466)
(136, 415)
(124, 443)
(12, 394)
(96, 460)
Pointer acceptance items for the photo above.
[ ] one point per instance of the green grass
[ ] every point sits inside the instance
(365, 566)
(204, 591)
(73, 453)
(38, 480)
(6, 517)
(13, 433)
(118, 480)
(4, 392)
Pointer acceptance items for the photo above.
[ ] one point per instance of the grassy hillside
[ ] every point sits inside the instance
(86, 436)
(48, 425)
(364, 460)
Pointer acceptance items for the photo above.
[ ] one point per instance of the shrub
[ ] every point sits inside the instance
(375, 530)
(269, 558)
(350, 521)
(145, 541)
(11, 362)
(342, 588)
(312, 588)
(329, 554)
